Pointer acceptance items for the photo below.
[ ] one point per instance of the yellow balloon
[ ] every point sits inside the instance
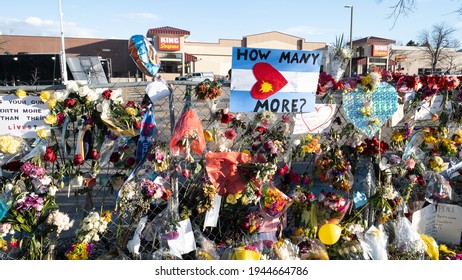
(329, 233)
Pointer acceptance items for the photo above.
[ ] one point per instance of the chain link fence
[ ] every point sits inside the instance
(102, 195)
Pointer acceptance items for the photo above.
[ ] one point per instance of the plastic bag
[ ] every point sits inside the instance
(377, 240)
(285, 250)
(312, 249)
(206, 249)
(407, 245)
(11, 148)
(439, 190)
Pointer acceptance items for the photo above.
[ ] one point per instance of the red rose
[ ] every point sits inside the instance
(107, 94)
(13, 165)
(94, 154)
(50, 155)
(70, 103)
(78, 160)
(130, 104)
(114, 157)
(60, 118)
(226, 118)
(137, 125)
(130, 162)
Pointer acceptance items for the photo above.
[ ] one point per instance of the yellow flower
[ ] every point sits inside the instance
(21, 93)
(51, 119)
(43, 133)
(131, 111)
(432, 246)
(247, 152)
(306, 148)
(52, 103)
(238, 195)
(397, 136)
(45, 95)
(366, 111)
(252, 228)
(309, 137)
(245, 200)
(231, 199)
(10, 144)
(106, 215)
(208, 135)
(298, 231)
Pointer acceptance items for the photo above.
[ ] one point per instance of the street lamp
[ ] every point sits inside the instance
(351, 34)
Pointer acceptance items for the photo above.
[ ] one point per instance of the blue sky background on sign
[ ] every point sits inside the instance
(209, 20)
(299, 68)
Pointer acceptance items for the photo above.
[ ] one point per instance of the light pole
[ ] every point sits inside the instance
(351, 35)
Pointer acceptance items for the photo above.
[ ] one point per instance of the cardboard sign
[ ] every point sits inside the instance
(442, 222)
(315, 122)
(282, 81)
(22, 116)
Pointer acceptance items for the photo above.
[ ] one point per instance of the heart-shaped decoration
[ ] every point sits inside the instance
(384, 104)
(316, 121)
(269, 81)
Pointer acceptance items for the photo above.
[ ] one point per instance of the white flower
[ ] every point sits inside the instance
(72, 86)
(84, 91)
(52, 189)
(93, 95)
(60, 96)
(95, 237)
(9, 187)
(60, 220)
(116, 96)
(296, 142)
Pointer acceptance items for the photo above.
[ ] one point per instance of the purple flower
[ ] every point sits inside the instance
(30, 201)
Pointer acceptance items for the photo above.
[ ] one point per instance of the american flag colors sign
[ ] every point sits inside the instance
(280, 81)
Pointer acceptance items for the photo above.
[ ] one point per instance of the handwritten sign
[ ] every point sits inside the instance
(22, 116)
(282, 81)
(314, 122)
(429, 108)
(442, 222)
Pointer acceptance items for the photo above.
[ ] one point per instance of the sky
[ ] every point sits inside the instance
(208, 21)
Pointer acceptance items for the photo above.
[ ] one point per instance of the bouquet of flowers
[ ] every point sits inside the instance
(338, 56)
(312, 249)
(11, 147)
(188, 134)
(93, 226)
(332, 207)
(79, 251)
(208, 89)
(274, 202)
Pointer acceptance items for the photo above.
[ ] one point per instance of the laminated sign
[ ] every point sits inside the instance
(280, 81)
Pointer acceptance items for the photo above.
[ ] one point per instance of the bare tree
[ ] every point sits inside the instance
(437, 42)
(400, 8)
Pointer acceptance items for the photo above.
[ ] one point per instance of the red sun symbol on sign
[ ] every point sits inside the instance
(269, 81)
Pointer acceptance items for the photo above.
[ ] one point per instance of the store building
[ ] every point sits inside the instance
(371, 52)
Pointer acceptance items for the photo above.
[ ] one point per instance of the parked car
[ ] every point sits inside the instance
(196, 77)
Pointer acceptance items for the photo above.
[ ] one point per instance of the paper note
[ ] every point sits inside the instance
(429, 108)
(211, 216)
(185, 242)
(315, 122)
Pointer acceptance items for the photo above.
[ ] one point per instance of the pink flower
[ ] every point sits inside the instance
(410, 163)
(413, 178)
(230, 134)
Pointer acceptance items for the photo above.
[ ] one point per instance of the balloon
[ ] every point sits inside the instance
(144, 54)
(329, 233)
